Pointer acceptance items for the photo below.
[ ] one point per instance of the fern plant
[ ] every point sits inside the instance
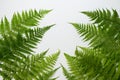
(101, 60)
(18, 38)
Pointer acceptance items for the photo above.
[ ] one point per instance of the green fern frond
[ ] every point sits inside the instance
(106, 19)
(22, 22)
(17, 41)
(86, 65)
(4, 26)
(96, 34)
(89, 30)
(49, 74)
(91, 33)
(22, 45)
(33, 67)
(100, 61)
(28, 18)
(39, 67)
(103, 17)
(74, 68)
(67, 74)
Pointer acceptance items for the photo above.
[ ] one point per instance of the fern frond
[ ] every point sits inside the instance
(89, 30)
(49, 74)
(101, 60)
(74, 68)
(22, 45)
(34, 67)
(108, 20)
(97, 36)
(22, 22)
(43, 68)
(86, 65)
(103, 17)
(17, 41)
(27, 19)
(4, 26)
(67, 74)
(91, 33)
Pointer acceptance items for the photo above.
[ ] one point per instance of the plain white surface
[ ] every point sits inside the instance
(62, 36)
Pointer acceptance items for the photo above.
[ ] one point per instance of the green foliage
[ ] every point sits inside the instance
(68, 75)
(100, 61)
(18, 38)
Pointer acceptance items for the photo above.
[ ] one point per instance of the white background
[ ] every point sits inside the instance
(62, 36)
